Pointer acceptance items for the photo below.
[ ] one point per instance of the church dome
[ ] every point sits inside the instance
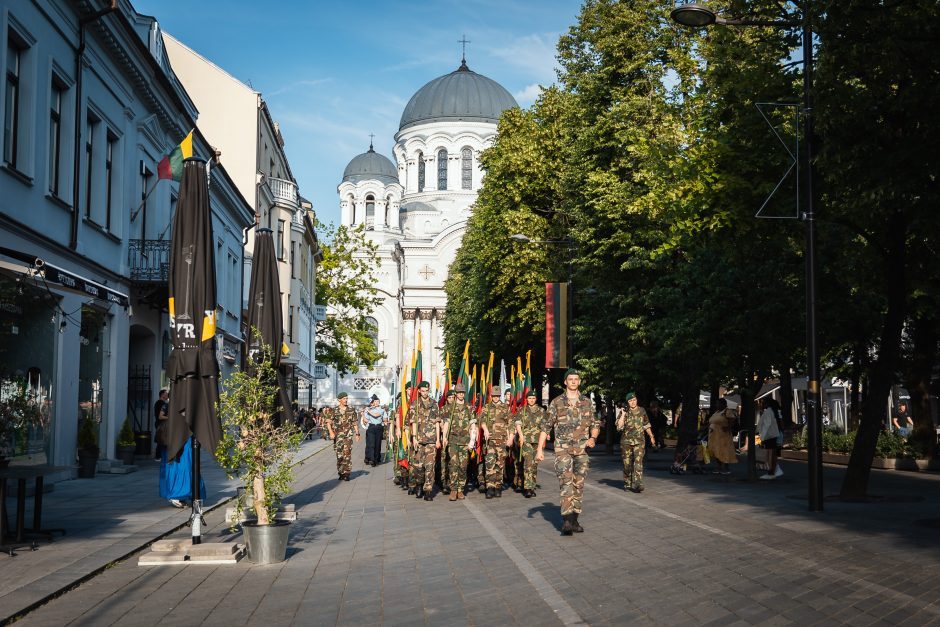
(370, 166)
(461, 95)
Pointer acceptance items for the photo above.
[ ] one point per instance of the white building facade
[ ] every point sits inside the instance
(416, 209)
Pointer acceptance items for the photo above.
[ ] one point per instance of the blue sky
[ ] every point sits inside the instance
(333, 72)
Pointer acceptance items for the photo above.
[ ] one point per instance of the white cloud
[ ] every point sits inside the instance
(528, 95)
(534, 54)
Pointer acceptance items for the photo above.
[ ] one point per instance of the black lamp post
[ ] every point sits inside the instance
(696, 15)
(569, 243)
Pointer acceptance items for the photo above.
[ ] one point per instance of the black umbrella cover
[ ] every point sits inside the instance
(264, 311)
(192, 367)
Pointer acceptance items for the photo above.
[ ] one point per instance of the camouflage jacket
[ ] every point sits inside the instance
(462, 420)
(345, 423)
(634, 423)
(530, 421)
(425, 416)
(572, 423)
(497, 419)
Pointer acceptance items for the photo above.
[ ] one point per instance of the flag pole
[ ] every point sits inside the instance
(196, 518)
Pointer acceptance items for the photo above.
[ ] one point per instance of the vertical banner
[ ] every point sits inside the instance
(556, 325)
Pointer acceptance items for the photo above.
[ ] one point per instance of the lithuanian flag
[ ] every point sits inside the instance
(171, 166)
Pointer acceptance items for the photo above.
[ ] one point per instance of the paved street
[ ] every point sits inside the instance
(690, 550)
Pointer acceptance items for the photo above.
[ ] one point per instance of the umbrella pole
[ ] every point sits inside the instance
(196, 519)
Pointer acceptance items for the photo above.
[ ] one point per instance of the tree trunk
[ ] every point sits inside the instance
(855, 482)
(856, 381)
(747, 424)
(261, 509)
(924, 335)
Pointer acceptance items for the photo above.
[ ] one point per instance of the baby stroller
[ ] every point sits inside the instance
(687, 458)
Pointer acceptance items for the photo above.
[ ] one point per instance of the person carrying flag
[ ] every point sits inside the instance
(495, 421)
(442, 463)
(343, 424)
(528, 427)
(460, 434)
(425, 421)
(572, 415)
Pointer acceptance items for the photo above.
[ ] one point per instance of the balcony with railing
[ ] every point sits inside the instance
(149, 260)
(284, 191)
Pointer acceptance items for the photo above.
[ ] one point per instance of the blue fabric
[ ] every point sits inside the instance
(176, 477)
(376, 420)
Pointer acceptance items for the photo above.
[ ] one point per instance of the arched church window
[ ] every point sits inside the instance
(420, 171)
(388, 204)
(466, 168)
(370, 211)
(373, 326)
(442, 168)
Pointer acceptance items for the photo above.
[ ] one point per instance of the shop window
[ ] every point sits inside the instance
(92, 384)
(56, 99)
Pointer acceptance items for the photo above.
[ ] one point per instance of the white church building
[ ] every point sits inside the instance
(416, 208)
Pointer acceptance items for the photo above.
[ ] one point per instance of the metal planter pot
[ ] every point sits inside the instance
(267, 544)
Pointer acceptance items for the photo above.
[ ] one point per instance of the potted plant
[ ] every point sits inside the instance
(258, 452)
(126, 445)
(87, 447)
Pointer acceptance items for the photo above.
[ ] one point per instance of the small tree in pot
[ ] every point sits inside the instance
(258, 452)
(88, 450)
(126, 445)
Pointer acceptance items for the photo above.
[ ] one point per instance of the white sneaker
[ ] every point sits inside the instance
(177, 503)
(778, 472)
(767, 477)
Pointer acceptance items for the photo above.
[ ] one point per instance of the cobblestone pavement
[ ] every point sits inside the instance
(690, 550)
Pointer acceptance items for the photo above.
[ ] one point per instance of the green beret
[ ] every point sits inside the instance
(424, 384)
(571, 371)
(408, 385)
(341, 395)
(631, 396)
(531, 393)
(507, 390)
(460, 388)
(450, 392)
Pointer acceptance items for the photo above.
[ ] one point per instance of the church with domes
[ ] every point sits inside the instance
(415, 207)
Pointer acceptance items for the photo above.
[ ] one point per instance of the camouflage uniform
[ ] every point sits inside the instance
(462, 423)
(573, 425)
(529, 420)
(634, 424)
(345, 427)
(424, 415)
(497, 419)
(443, 456)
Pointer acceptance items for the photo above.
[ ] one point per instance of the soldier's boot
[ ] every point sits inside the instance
(396, 481)
(460, 495)
(566, 529)
(453, 496)
(419, 493)
(490, 493)
(445, 490)
(638, 489)
(575, 525)
(482, 487)
(429, 496)
(499, 492)
(411, 490)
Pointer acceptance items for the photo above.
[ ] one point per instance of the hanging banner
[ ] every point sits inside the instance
(556, 325)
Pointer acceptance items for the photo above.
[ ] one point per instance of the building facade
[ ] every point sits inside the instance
(90, 106)
(416, 209)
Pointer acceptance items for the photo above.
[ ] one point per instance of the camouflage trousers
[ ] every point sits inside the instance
(571, 470)
(442, 466)
(530, 467)
(632, 463)
(422, 471)
(495, 462)
(412, 462)
(458, 456)
(343, 448)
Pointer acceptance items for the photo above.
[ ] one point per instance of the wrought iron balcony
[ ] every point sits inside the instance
(149, 260)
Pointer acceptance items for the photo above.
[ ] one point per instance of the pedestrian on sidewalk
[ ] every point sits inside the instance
(374, 419)
(527, 429)
(161, 418)
(460, 434)
(769, 428)
(720, 445)
(572, 416)
(343, 427)
(658, 424)
(633, 423)
(425, 421)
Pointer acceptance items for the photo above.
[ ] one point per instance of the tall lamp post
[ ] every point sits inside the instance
(699, 16)
(569, 243)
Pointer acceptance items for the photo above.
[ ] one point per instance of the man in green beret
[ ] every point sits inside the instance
(343, 425)
(576, 426)
(442, 463)
(495, 421)
(528, 427)
(632, 423)
(460, 433)
(424, 418)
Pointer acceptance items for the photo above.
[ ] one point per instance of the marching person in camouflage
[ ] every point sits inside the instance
(425, 422)
(528, 427)
(632, 423)
(460, 435)
(442, 465)
(576, 426)
(343, 425)
(496, 420)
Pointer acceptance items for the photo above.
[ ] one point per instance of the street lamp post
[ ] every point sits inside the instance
(696, 15)
(569, 243)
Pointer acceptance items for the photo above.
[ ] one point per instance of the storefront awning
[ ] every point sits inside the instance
(66, 279)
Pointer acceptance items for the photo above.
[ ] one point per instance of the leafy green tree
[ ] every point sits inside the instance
(346, 286)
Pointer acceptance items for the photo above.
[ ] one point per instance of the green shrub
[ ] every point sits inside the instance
(88, 435)
(126, 436)
(833, 442)
(891, 444)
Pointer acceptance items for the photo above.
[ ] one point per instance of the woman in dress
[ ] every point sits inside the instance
(720, 445)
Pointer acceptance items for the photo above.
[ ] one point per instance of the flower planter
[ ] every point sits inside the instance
(891, 463)
(126, 454)
(267, 544)
(87, 464)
